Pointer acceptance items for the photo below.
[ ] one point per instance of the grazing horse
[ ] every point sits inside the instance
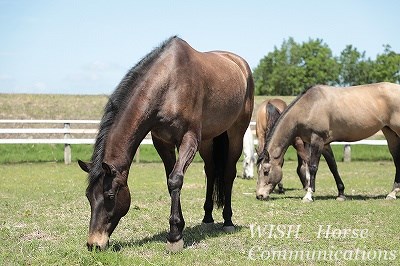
(190, 101)
(267, 115)
(323, 114)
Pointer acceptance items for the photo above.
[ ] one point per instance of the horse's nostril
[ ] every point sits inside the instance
(92, 247)
(262, 197)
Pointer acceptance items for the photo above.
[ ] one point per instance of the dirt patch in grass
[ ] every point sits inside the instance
(37, 235)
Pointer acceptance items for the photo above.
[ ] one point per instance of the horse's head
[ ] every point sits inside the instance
(109, 200)
(269, 175)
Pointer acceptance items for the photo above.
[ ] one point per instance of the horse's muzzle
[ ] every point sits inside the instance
(96, 247)
(97, 242)
(262, 197)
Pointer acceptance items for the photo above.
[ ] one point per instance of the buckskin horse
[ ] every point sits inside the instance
(188, 100)
(267, 114)
(323, 114)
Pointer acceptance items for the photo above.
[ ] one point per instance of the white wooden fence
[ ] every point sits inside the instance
(11, 128)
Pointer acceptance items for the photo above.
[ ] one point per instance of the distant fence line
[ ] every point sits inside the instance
(67, 139)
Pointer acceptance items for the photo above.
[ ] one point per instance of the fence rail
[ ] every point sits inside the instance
(66, 131)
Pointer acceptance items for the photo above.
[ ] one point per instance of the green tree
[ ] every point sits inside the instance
(354, 68)
(277, 73)
(386, 66)
(319, 64)
(294, 67)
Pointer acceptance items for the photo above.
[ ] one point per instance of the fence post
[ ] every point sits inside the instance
(347, 153)
(67, 147)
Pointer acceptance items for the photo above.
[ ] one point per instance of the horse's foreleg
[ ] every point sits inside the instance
(302, 150)
(394, 148)
(301, 172)
(316, 147)
(330, 160)
(167, 154)
(187, 151)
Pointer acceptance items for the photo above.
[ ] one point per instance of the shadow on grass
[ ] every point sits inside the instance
(359, 197)
(352, 197)
(333, 197)
(191, 235)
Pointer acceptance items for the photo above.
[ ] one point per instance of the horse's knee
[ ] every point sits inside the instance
(175, 182)
(313, 169)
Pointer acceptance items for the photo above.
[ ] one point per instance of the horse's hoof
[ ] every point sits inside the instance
(175, 247)
(228, 229)
(341, 198)
(306, 200)
(390, 197)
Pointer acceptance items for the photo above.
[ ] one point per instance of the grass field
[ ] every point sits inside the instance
(44, 219)
(44, 214)
(39, 106)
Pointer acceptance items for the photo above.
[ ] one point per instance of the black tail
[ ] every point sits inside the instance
(220, 157)
(273, 115)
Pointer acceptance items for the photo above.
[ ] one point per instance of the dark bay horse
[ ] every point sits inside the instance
(323, 114)
(190, 101)
(267, 114)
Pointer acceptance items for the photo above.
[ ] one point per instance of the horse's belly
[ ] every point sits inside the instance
(353, 133)
(215, 126)
(218, 118)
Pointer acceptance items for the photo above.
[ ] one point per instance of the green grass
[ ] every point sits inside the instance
(44, 214)
(20, 153)
(44, 217)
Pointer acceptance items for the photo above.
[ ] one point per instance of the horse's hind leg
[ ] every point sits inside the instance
(330, 160)
(394, 147)
(206, 154)
(235, 150)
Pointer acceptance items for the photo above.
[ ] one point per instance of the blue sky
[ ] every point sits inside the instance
(85, 47)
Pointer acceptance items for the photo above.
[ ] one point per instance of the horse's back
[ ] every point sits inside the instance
(215, 87)
(229, 90)
(352, 113)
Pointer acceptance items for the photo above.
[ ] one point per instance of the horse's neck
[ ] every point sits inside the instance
(127, 134)
(282, 138)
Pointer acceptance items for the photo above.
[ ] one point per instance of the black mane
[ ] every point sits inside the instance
(268, 137)
(117, 103)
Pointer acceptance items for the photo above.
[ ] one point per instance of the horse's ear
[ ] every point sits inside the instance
(85, 166)
(109, 170)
